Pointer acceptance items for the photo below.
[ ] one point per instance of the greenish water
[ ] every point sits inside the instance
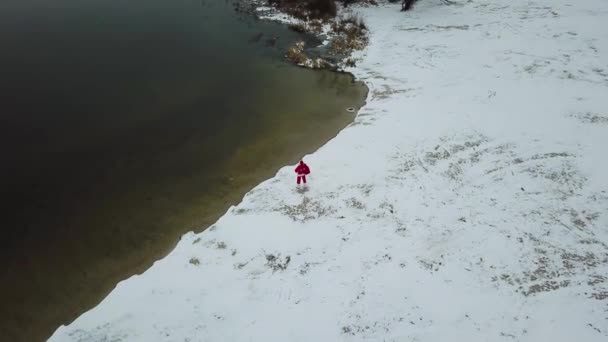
(124, 124)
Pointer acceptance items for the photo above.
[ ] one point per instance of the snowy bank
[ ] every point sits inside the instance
(467, 202)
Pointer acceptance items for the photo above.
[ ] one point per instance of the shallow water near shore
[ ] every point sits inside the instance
(125, 124)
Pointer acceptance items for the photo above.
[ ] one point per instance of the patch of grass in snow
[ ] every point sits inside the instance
(588, 260)
(276, 263)
(555, 268)
(303, 9)
(592, 118)
(350, 34)
(240, 211)
(438, 154)
(564, 175)
(366, 189)
(311, 26)
(600, 295)
(546, 286)
(556, 181)
(434, 28)
(306, 267)
(387, 206)
(302, 190)
(450, 27)
(101, 333)
(194, 261)
(296, 55)
(431, 265)
(453, 160)
(306, 210)
(240, 265)
(387, 92)
(355, 203)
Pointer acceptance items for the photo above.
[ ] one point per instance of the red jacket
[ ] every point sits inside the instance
(302, 169)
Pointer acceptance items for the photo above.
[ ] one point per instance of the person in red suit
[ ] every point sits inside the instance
(302, 170)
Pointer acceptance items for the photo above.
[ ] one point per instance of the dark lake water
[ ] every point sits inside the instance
(124, 124)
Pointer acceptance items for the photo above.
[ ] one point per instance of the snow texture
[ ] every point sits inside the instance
(467, 202)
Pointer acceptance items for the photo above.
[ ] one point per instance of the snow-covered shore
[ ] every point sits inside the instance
(467, 202)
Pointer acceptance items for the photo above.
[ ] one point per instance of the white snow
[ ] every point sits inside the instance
(271, 13)
(467, 202)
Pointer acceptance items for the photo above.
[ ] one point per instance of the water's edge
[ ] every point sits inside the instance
(220, 208)
(150, 119)
(234, 199)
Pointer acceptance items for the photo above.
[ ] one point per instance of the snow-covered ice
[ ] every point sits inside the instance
(467, 202)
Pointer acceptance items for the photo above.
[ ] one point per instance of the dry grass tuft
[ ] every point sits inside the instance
(296, 53)
(297, 56)
(307, 9)
(351, 34)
